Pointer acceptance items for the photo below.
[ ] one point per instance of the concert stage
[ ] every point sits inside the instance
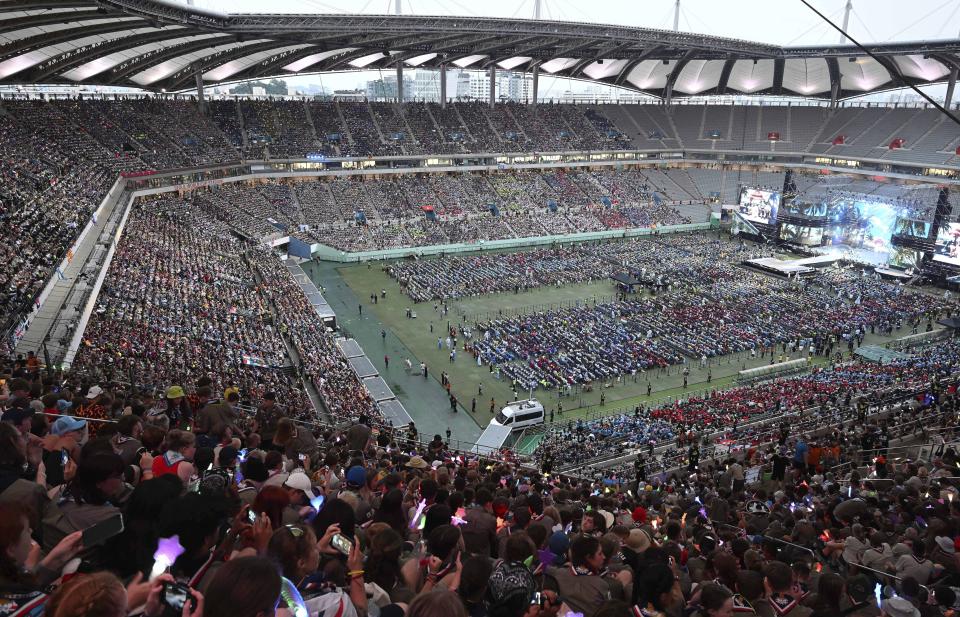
(854, 254)
(794, 267)
(896, 275)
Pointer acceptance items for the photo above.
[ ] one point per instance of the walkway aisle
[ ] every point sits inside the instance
(319, 406)
(424, 399)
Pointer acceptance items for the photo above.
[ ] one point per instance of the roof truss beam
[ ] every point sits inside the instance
(628, 68)
(337, 63)
(274, 64)
(31, 5)
(675, 73)
(63, 36)
(65, 62)
(212, 61)
(833, 68)
(725, 74)
(489, 49)
(565, 52)
(778, 66)
(44, 19)
(528, 50)
(460, 43)
(142, 63)
(603, 54)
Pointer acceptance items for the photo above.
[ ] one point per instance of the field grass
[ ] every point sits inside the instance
(419, 336)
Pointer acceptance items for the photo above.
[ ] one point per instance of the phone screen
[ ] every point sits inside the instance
(64, 457)
(252, 516)
(103, 531)
(175, 596)
(342, 543)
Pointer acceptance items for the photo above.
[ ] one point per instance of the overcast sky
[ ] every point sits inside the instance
(783, 22)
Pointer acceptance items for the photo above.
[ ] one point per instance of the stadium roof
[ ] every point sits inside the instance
(160, 45)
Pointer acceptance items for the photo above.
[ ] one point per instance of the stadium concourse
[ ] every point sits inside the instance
(210, 438)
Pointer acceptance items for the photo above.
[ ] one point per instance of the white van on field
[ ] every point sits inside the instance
(520, 414)
(516, 416)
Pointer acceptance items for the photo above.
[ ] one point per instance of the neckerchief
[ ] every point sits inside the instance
(782, 604)
(742, 605)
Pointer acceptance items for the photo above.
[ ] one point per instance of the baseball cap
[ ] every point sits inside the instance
(67, 424)
(299, 480)
(638, 540)
(946, 544)
(559, 543)
(356, 476)
(512, 581)
(94, 392)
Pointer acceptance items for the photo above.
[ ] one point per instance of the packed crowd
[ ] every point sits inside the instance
(577, 345)
(166, 498)
(179, 300)
(323, 363)
(250, 517)
(372, 214)
(61, 159)
(184, 296)
(65, 154)
(459, 277)
(742, 414)
(695, 301)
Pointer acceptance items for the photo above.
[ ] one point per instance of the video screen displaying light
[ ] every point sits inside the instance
(863, 224)
(913, 228)
(758, 205)
(807, 236)
(948, 245)
(810, 210)
(879, 219)
(906, 258)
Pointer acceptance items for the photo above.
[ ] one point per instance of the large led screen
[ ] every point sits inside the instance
(758, 205)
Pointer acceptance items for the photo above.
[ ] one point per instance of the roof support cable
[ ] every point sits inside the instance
(895, 73)
(894, 36)
(816, 25)
(948, 20)
(856, 14)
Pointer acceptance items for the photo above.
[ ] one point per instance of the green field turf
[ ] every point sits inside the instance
(466, 376)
